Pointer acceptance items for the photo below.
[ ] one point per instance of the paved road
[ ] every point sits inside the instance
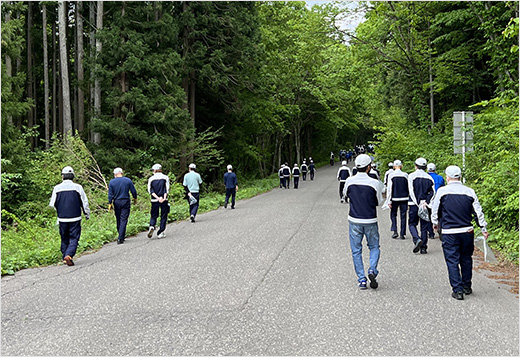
(272, 277)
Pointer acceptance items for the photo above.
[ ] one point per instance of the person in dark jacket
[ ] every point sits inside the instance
(312, 170)
(453, 209)
(397, 196)
(343, 175)
(231, 182)
(286, 175)
(422, 189)
(304, 169)
(364, 194)
(439, 182)
(296, 175)
(69, 199)
(280, 176)
(119, 197)
(158, 188)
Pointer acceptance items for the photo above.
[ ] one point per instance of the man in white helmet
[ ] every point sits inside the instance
(69, 199)
(343, 175)
(453, 209)
(231, 182)
(364, 194)
(296, 176)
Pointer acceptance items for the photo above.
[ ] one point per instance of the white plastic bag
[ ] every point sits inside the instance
(193, 200)
(423, 211)
(489, 256)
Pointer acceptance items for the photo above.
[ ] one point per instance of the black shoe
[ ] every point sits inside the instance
(402, 237)
(373, 282)
(418, 245)
(467, 291)
(119, 241)
(232, 207)
(192, 218)
(394, 235)
(225, 205)
(459, 295)
(423, 251)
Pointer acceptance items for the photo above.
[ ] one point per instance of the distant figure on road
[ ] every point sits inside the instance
(343, 175)
(296, 175)
(331, 158)
(158, 188)
(304, 169)
(397, 196)
(422, 189)
(364, 194)
(69, 199)
(191, 184)
(286, 175)
(312, 170)
(373, 172)
(280, 175)
(453, 209)
(388, 172)
(231, 182)
(119, 197)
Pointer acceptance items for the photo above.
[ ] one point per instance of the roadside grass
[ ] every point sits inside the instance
(35, 243)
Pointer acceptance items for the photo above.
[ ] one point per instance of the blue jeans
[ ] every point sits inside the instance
(356, 232)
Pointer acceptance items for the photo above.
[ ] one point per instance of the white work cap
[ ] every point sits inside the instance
(398, 163)
(67, 170)
(344, 163)
(390, 164)
(192, 166)
(431, 166)
(453, 172)
(156, 167)
(229, 167)
(363, 160)
(118, 170)
(421, 161)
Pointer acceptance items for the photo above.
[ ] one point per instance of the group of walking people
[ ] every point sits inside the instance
(285, 173)
(447, 209)
(69, 200)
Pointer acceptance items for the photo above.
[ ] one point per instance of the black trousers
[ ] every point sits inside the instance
(312, 175)
(165, 209)
(122, 211)
(195, 207)
(304, 174)
(458, 249)
(296, 181)
(341, 187)
(403, 207)
(70, 233)
(231, 192)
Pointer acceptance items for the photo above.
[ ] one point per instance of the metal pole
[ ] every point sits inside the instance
(463, 146)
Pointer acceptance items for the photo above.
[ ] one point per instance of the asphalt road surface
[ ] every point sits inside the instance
(272, 277)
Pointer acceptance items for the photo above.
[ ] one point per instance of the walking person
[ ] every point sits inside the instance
(158, 188)
(69, 199)
(280, 176)
(364, 194)
(119, 197)
(286, 175)
(304, 170)
(422, 189)
(296, 175)
(453, 209)
(231, 182)
(312, 170)
(343, 175)
(388, 172)
(191, 183)
(331, 158)
(397, 196)
(439, 182)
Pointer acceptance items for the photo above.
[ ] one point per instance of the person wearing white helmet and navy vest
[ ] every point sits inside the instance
(304, 169)
(69, 199)
(397, 196)
(231, 182)
(453, 210)
(388, 172)
(158, 188)
(364, 194)
(296, 175)
(422, 189)
(343, 175)
(286, 175)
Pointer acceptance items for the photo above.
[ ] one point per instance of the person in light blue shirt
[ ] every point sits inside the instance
(439, 182)
(191, 183)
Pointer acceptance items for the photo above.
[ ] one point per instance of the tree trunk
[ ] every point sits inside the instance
(65, 88)
(8, 64)
(430, 70)
(92, 20)
(96, 137)
(81, 70)
(30, 95)
(45, 77)
(54, 80)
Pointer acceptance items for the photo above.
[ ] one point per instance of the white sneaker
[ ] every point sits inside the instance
(161, 235)
(150, 231)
